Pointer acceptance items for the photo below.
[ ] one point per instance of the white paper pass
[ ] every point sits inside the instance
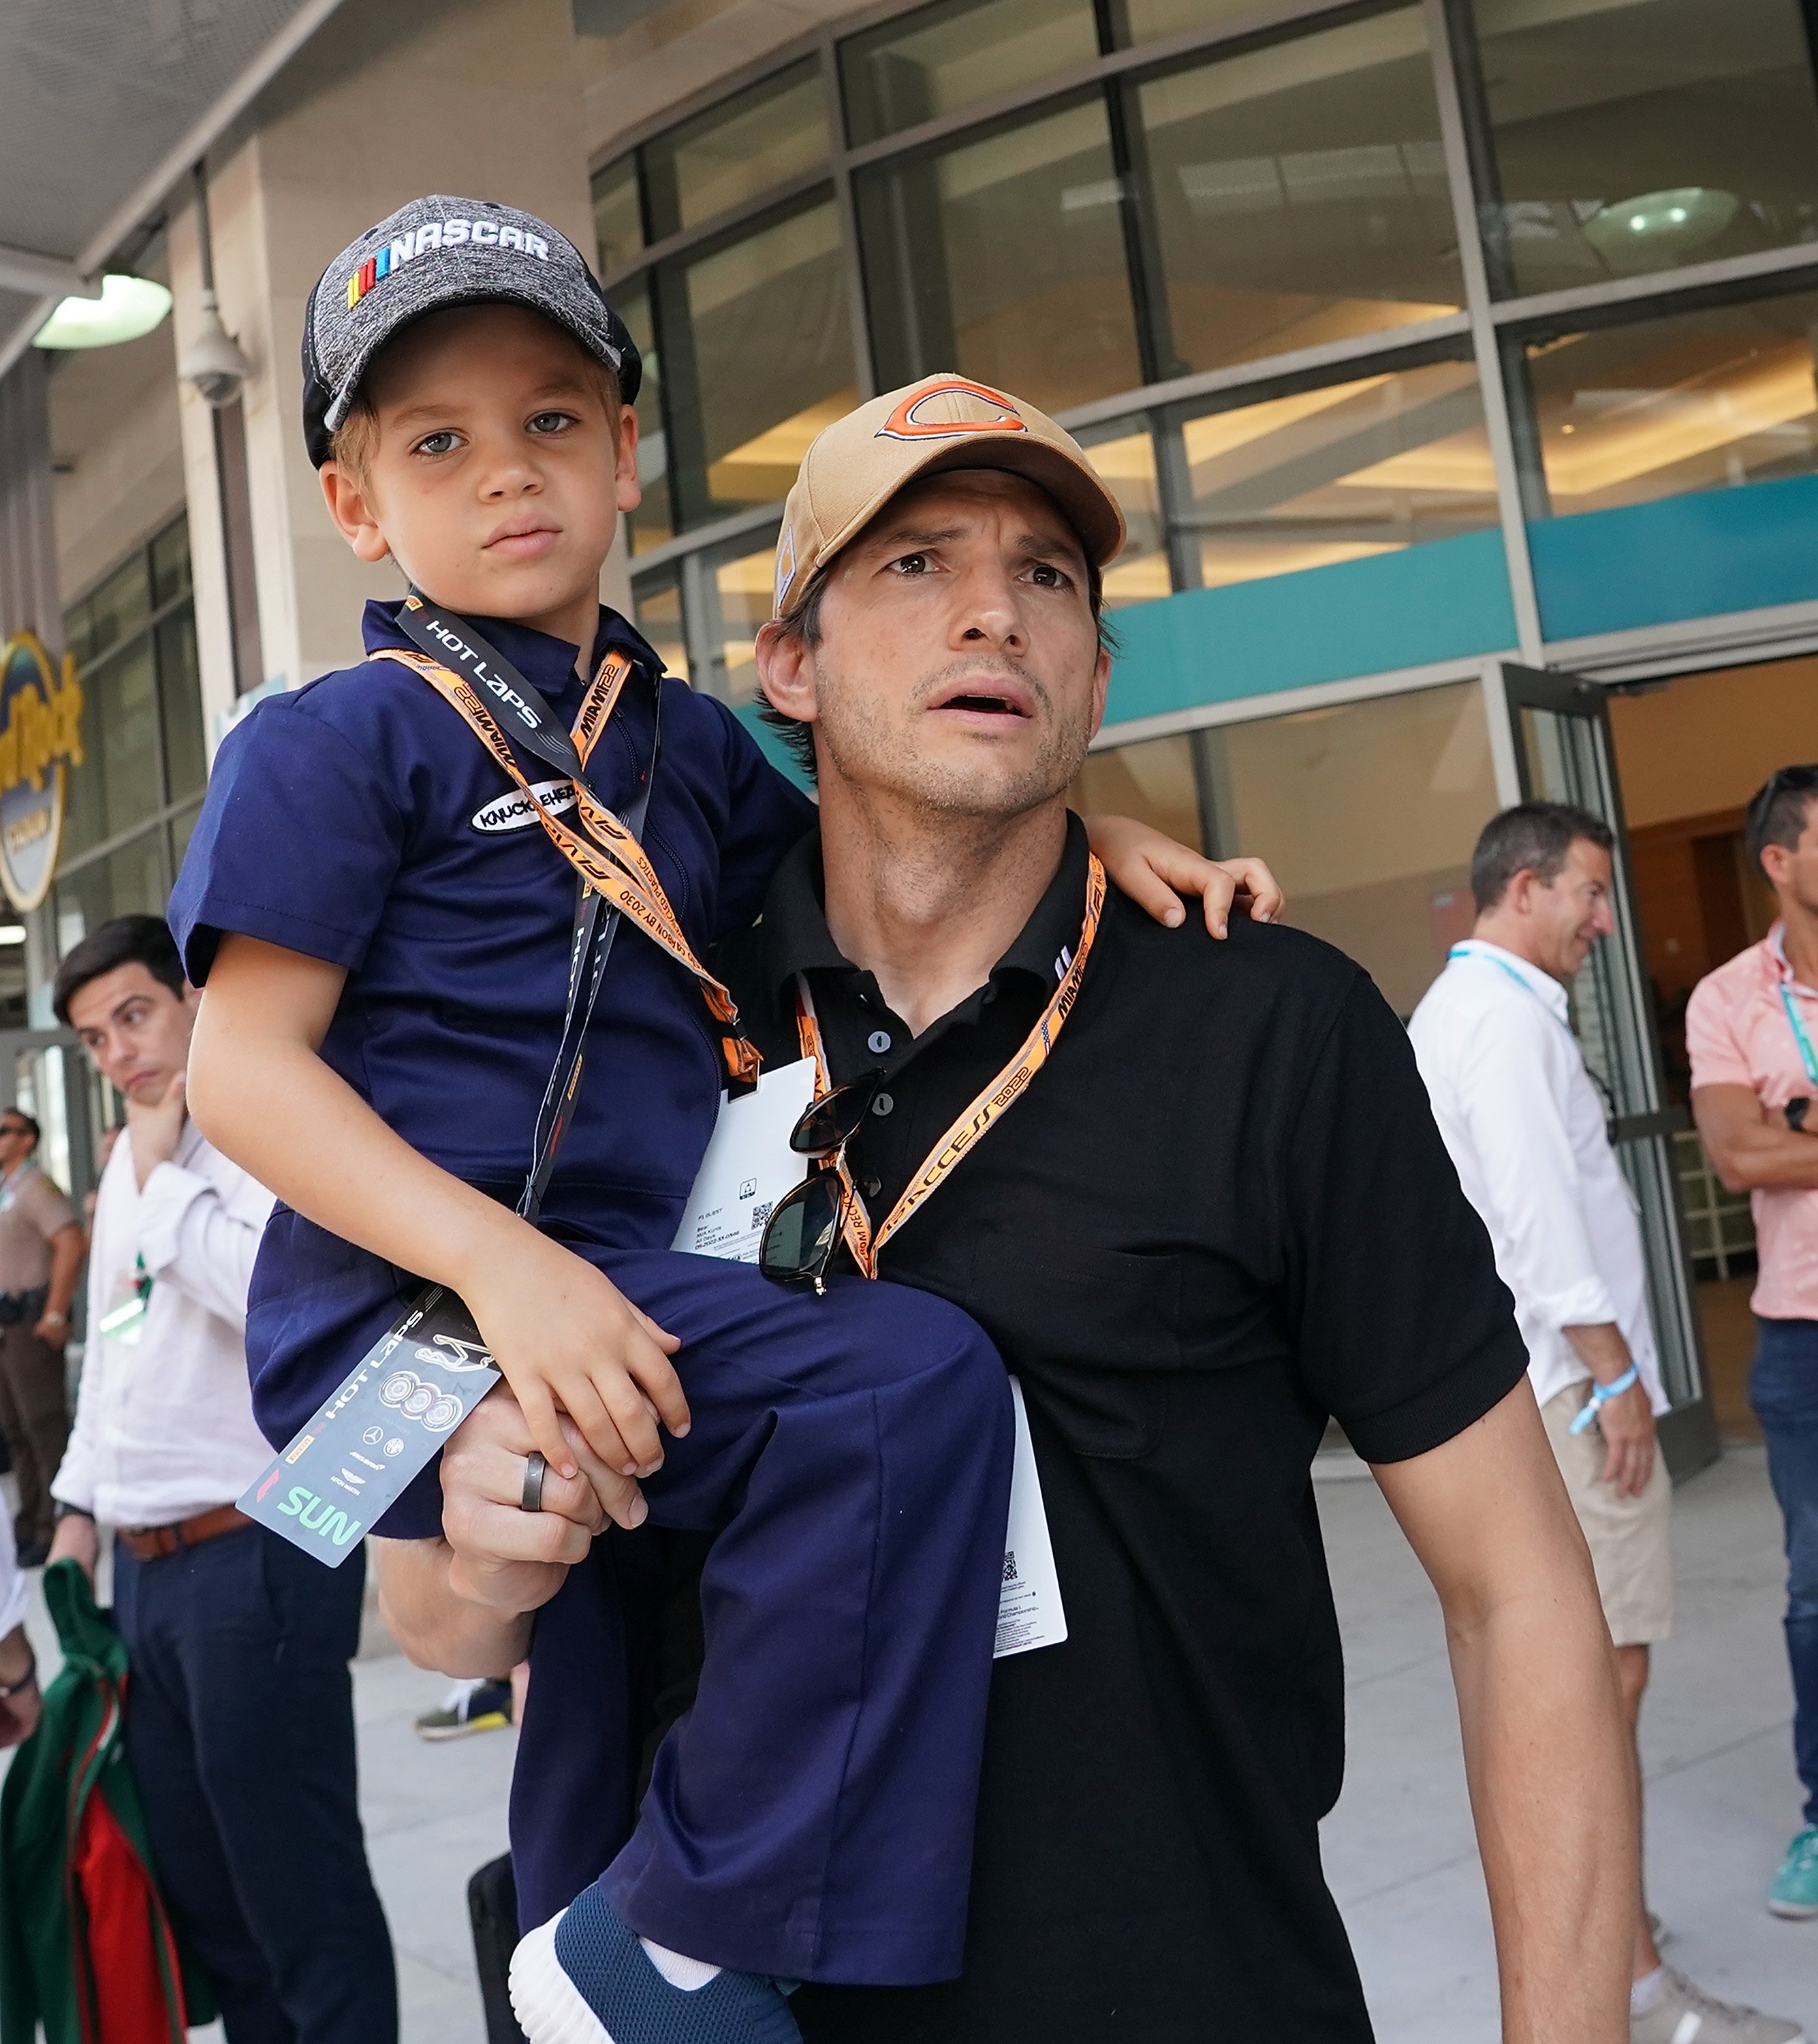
(748, 1166)
(1029, 1609)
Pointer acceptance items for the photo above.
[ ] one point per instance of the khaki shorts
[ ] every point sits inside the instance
(1630, 1538)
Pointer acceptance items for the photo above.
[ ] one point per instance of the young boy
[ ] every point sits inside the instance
(384, 926)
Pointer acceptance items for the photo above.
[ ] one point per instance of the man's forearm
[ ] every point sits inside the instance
(68, 1246)
(1602, 1348)
(1551, 1788)
(434, 1627)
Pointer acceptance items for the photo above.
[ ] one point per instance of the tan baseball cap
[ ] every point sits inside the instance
(859, 462)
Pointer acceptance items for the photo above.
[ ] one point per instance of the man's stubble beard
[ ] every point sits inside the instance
(872, 758)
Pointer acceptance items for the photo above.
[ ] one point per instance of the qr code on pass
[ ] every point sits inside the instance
(1010, 1574)
(760, 1212)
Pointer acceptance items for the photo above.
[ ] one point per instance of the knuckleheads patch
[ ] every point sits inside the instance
(514, 810)
(950, 409)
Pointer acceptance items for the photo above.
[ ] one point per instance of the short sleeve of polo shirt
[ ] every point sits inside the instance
(299, 839)
(1405, 1334)
(766, 815)
(1716, 1053)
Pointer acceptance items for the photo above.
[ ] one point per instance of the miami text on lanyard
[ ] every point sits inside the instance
(997, 1099)
(615, 875)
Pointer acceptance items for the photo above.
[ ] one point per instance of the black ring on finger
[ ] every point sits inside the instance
(536, 1468)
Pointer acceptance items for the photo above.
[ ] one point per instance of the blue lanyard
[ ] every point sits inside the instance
(1502, 965)
(1799, 1035)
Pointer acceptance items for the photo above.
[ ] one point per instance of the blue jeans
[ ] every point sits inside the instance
(239, 1728)
(1783, 1392)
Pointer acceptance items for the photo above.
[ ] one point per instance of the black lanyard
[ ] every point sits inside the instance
(526, 716)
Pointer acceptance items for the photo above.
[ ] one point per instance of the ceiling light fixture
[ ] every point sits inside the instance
(128, 308)
(1658, 228)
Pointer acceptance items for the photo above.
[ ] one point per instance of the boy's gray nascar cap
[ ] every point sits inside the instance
(433, 253)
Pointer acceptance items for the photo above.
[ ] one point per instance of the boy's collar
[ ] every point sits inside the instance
(546, 662)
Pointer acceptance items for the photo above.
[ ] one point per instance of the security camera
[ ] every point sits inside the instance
(213, 364)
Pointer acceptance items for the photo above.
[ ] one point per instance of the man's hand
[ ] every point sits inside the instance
(53, 1330)
(156, 1127)
(18, 1712)
(565, 1337)
(505, 1557)
(1155, 871)
(1626, 1423)
(77, 1540)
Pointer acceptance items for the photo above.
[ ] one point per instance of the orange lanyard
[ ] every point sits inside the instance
(608, 858)
(998, 1098)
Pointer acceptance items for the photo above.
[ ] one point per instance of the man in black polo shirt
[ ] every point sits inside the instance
(1195, 1194)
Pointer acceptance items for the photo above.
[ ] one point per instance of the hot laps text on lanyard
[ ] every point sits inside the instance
(604, 853)
(385, 1421)
(998, 1098)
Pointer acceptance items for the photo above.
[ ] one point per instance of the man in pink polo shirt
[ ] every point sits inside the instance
(1752, 1031)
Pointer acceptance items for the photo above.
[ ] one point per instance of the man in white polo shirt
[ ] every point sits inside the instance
(1528, 1126)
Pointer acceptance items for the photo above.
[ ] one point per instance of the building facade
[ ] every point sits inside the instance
(1454, 361)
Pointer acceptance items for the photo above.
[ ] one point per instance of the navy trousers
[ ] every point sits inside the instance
(239, 1729)
(1783, 1388)
(812, 1817)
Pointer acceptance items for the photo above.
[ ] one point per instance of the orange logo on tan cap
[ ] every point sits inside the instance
(950, 409)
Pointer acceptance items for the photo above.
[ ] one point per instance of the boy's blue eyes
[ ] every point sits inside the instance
(542, 424)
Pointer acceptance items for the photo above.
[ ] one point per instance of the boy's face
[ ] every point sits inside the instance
(496, 484)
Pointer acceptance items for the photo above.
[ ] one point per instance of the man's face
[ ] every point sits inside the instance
(135, 1029)
(17, 1141)
(1793, 873)
(958, 666)
(1572, 911)
(496, 481)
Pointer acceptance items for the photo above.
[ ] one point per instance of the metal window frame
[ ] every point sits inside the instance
(1494, 325)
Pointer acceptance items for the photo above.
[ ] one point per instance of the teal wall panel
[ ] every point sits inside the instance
(771, 746)
(1445, 600)
(1684, 557)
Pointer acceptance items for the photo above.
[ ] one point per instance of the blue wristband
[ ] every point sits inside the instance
(1602, 1393)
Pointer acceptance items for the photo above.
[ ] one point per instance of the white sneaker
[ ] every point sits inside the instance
(1685, 2014)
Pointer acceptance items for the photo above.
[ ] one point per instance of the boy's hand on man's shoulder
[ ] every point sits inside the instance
(569, 1341)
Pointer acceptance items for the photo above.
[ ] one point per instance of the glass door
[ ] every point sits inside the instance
(1559, 727)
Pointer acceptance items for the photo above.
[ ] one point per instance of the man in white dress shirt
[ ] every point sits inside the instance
(1529, 1128)
(239, 1719)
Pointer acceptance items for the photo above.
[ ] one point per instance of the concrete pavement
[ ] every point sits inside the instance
(1403, 1864)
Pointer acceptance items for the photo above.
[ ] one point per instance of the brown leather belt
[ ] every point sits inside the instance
(150, 1543)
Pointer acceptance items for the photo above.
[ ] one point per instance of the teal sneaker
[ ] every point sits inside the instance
(1794, 1890)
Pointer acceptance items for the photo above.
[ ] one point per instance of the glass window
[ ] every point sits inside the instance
(656, 610)
(1368, 812)
(1126, 462)
(941, 58)
(171, 564)
(737, 585)
(117, 609)
(618, 217)
(116, 784)
(756, 358)
(1144, 20)
(737, 151)
(1696, 402)
(653, 521)
(133, 880)
(182, 828)
(1003, 257)
(1337, 473)
(1157, 782)
(1299, 194)
(1628, 136)
(180, 704)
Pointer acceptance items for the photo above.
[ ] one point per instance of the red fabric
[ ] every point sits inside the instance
(127, 2000)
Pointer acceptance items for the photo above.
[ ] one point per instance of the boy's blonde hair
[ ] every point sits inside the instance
(355, 440)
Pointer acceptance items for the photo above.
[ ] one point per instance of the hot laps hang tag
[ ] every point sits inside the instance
(351, 1462)
(124, 1318)
(1029, 1609)
(748, 1166)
